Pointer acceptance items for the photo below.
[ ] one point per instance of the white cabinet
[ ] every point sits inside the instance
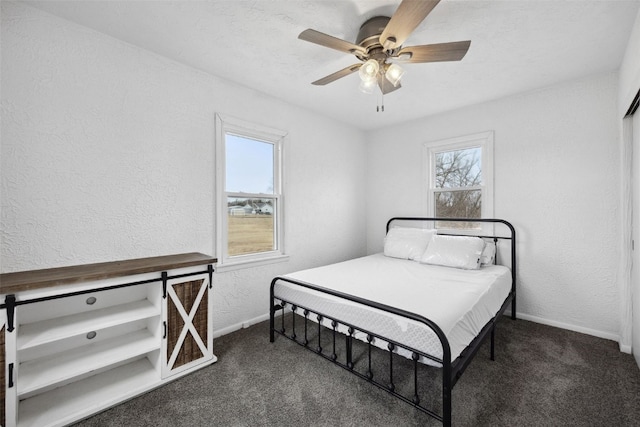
(78, 348)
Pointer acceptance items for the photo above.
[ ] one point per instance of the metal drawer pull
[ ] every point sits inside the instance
(91, 335)
(91, 300)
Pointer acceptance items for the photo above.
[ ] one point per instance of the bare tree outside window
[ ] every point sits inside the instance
(458, 180)
(459, 175)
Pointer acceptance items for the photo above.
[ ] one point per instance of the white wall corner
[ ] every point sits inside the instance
(629, 74)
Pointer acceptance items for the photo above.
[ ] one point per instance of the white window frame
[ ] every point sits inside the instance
(231, 125)
(484, 140)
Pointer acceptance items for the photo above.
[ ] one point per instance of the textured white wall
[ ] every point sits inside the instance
(630, 69)
(556, 179)
(108, 153)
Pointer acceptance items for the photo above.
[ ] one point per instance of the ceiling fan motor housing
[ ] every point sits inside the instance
(369, 34)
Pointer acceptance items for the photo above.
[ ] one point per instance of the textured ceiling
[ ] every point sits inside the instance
(516, 46)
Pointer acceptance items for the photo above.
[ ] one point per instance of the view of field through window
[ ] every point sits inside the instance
(249, 171)
(250, 234)
(251, 226)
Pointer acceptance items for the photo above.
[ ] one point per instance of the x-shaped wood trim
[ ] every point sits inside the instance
(188, 323)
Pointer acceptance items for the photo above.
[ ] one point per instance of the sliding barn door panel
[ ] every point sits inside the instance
(188, 327)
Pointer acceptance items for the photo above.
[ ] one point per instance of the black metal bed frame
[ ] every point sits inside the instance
(451, 370)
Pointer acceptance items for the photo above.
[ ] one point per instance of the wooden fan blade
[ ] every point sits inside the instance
(326, 40)
(407, 17)
(337, 75)
(386, 86)
(453, 51)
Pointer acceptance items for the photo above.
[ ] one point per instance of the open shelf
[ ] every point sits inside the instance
(34, 334)
(41, 373)
(80, 399)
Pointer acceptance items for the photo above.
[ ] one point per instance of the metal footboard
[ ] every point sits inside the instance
(348, 363)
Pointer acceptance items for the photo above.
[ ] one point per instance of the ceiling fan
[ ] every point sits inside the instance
(379, 47)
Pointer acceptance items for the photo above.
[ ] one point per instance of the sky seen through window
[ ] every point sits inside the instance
(249, 165)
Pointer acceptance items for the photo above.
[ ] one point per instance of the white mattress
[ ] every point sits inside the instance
(459, 301)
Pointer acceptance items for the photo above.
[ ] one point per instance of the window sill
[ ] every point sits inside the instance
(239, 265)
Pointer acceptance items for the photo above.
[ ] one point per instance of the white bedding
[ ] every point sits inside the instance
(459, 301)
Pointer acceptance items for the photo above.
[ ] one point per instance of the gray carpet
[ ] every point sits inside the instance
(542, 376)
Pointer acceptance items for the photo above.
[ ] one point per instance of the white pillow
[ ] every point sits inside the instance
(488, 256)
(454, 251)
(407, 243)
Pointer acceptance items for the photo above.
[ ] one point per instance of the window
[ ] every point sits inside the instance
(460, 177)
(249, 192)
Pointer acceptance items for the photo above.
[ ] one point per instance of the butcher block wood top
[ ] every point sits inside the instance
(11, 283)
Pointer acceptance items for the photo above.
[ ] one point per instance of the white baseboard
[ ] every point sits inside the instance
(562, 325)
(625, 348)
(241, 325)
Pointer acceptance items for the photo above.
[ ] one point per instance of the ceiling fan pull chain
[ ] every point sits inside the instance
(380, 107)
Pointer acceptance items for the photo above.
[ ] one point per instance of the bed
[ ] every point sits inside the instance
(432, 297)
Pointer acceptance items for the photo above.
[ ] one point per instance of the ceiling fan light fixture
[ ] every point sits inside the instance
(368, 86)
(394, 74)
(369, 71)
